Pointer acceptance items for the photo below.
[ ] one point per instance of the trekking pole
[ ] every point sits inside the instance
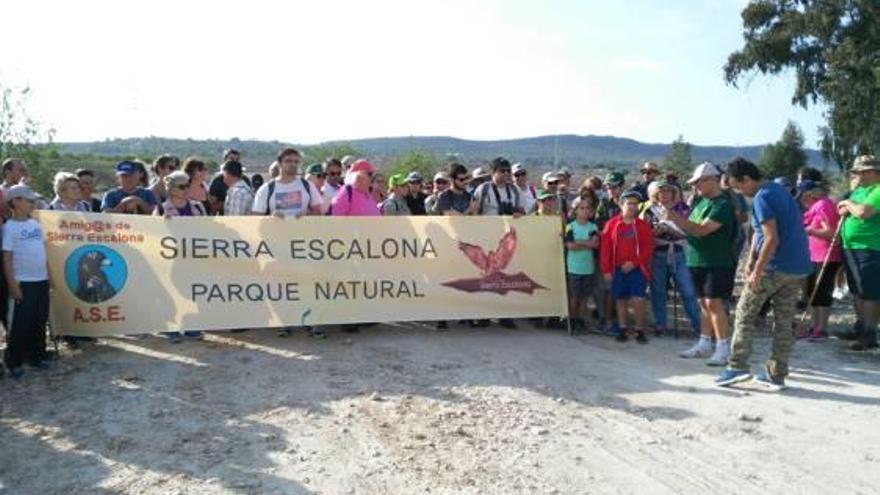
(821, 271)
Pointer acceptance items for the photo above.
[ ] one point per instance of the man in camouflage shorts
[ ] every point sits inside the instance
(777, 266)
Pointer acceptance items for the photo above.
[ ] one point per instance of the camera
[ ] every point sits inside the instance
(505, 208)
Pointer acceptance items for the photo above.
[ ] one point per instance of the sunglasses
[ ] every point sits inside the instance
(504, 170)
(182, 187)
(441, 182)
(334, 174)
(321, 176)
(553, 183)
(519, 174)
(461, 177)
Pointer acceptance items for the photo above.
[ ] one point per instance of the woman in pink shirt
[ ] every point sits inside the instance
(354, 199)
(820, 222)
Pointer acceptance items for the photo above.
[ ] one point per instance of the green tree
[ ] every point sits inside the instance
(786, 156)
(679, 160)
(414, 160)
(19, 136)
(833, 49)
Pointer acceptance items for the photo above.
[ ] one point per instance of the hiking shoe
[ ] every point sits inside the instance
(16, 373)
(612, 330)
(285, 332)
(316, 332)
(698, 350)
(441, 325)
(660, 331)
(507, 323)
(719, 357)
(729, 377)
(863, 345)
(194, 334)
(173, 337)
(621, 336)
(774, 383)
(640, 337)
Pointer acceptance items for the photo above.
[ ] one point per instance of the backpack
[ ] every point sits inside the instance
(347, 190)
(271, 184)
(514, 197)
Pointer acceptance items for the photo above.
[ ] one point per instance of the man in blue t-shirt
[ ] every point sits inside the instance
(129, 197)
(777, 265)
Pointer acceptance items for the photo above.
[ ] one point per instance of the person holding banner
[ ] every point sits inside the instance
(26, 269)
(129, 197)
(287, 195)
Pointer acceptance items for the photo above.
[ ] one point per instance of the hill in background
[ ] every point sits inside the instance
(570, 150)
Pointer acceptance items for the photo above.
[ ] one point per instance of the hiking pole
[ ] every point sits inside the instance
(821, 272)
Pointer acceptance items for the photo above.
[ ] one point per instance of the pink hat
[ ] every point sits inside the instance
(362, 166)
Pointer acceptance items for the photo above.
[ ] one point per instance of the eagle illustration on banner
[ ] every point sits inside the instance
(491, 265)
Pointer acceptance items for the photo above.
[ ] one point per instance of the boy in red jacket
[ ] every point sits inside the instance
(626, 247)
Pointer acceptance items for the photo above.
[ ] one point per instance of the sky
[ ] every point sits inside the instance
(313, 71)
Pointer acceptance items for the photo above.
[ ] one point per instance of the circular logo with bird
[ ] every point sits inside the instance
(95, 273)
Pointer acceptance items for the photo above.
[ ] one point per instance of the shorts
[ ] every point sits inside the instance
(628, 285)
(823, 297)
(580, 286)
(863, 273)
(715, 282)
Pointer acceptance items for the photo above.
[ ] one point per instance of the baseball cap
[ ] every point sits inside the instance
(614, 179)
(806, 186)
(631, 193)
(176, 178)
(397, 180)
(441, 176)
(126, 167)
(20, 191)
(479, 173)
(362, 166)
(315, 169)
(549, 177)
(517, 167)
(705, 169)
(415, 176)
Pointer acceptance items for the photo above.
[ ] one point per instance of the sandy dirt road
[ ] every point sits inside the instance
(405, 409)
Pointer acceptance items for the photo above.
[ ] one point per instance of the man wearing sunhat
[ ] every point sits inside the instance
(649, 172)
(861, 246)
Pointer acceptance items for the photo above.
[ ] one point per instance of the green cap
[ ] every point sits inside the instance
(614, 179)
(542, 194)
(315, 169)
(397, 180)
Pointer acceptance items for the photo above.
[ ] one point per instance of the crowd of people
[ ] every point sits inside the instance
(625, 248)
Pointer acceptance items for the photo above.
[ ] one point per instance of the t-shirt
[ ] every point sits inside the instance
(451, 200)
(858, 233)
(353, 202)
(529, 198)
(115, 196)
(24, 239)
(822, 211)
(218, 188)
(488, 201)
(774, 202)
(394, 206)
(715, 249)
(289, 198)
(580, 261)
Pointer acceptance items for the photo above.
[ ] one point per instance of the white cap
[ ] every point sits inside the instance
(548, 176)
(20, 191)
(441, 176)
(517, 167)
(479, 173)
(705, 169)
(347, 161)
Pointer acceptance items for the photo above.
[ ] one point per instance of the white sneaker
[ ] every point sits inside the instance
(700, 349)
(719, 358)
